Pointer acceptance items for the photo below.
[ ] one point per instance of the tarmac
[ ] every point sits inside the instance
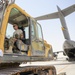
(61, 64)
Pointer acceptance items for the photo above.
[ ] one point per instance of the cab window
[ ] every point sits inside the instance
(39, 32)
(16, 17)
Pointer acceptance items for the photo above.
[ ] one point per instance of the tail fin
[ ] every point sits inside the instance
(63, 23)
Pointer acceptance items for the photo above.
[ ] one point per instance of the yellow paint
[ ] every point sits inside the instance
(36, 45)
(47, 48)
(62, 28)
(29, 53)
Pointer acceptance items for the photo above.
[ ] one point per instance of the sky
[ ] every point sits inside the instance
(52, 32)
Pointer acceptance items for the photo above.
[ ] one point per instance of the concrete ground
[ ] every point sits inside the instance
(61, 64)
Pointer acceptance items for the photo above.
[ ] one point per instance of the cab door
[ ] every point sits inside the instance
(37, 42)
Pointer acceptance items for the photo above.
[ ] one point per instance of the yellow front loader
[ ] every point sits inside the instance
(35, 47)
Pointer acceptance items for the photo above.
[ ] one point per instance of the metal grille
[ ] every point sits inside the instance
(2, 9)
(11, 1)
(3, 5)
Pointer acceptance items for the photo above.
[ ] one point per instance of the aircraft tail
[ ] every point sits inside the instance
(63, 23)
(61, 14)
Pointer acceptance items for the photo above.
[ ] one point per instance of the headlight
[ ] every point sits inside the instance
(1, 53)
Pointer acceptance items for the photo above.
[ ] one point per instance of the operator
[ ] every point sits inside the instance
(19, 41)
(16, 35)
(17, 32)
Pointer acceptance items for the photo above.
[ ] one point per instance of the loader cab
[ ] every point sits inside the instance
(16, 17)
(32, 32)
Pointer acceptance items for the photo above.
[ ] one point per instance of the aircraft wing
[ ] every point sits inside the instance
(68, 10)
(55, 15)
(48, 16)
